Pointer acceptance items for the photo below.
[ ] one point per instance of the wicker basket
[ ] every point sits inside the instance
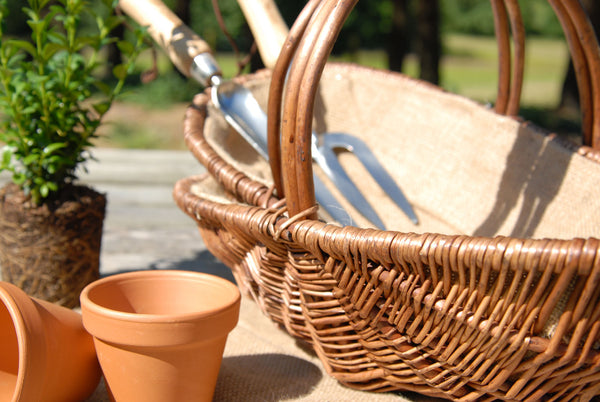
(494, 295)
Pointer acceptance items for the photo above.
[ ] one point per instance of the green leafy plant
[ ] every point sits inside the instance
(53, 97)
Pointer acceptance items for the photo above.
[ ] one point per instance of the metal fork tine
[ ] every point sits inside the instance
(368, 159)
(327, 160)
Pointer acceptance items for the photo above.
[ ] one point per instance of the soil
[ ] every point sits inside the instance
(51, 251)
(14, 201)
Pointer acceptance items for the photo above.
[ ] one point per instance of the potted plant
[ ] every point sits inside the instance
(52, 100)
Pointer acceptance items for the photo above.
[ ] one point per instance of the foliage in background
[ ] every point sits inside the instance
(168, 88)
(368, 24)
(368, 27)
(475, 17)
(52, 95)
(203, 21)
(371, 21)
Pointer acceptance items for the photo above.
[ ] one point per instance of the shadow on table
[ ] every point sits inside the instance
(265, 377)
(203, 261)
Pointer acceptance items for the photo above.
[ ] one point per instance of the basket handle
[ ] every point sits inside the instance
(311, 40)
(585, 53)
(309, 54)
(507, 20)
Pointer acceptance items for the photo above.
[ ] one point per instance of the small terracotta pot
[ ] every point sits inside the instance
(160, 335)
(45, 353)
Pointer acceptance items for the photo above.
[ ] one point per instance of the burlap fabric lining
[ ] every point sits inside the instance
(464, 168)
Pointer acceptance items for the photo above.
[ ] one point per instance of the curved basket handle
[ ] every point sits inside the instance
(312, 40)
(507, 20)
(303, 79)
(276, 92)
(585, 54)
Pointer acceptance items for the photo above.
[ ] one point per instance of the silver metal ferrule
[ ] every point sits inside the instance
(205, 69)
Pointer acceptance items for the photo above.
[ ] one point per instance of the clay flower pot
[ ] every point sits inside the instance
(45, 353)
(160, 335)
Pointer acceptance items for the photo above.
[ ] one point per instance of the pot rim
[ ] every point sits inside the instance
(108, 313)
(16, 301)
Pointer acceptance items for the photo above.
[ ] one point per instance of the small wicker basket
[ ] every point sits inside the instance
(494, 295)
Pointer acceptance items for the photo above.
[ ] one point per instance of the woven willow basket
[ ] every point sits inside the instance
(493, 295)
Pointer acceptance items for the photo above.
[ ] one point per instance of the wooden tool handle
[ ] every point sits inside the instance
(268, 27)
(178, 40)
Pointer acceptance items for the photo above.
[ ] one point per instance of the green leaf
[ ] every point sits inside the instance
(48, 89)
(29, 159)
(37, 27)
(101, 107)
(104, 87)
(44, 190)
(107, 24)
(120, 72)
(31, 14)
(58, 160)
(51, 49)
(42, 3)
(52, 186)
(18, 178)
(22, 45)
(6, 157)
(126, 47)
(29, 109)
(83, 41)
(53, 147)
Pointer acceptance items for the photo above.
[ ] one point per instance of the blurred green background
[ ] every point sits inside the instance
(448, 42)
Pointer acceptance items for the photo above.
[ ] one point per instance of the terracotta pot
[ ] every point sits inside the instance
(160, 335)
(45, 353)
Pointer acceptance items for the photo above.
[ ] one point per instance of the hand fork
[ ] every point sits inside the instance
(191, 55)
(270, 32)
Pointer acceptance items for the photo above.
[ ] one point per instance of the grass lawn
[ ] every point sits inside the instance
(469, 68)
(471, 64)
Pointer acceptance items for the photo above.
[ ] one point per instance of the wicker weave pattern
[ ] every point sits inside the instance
(453, 316)
(442, 315)
(502, 317)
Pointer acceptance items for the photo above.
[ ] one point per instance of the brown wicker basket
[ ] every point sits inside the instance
(494, 295)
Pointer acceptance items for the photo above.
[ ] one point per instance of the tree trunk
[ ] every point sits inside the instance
(570, 93)
(398, 44)
(429, 40)
(182, 10)
(569, 99)
(114, 54)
